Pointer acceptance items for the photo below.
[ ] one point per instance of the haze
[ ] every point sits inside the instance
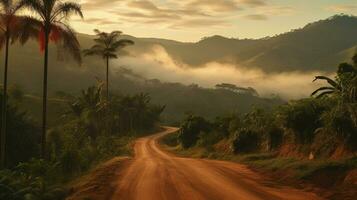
(158, 64)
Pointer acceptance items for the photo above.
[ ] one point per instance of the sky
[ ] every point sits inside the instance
(191, 20)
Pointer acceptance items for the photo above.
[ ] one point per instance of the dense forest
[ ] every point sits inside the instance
(321, 128)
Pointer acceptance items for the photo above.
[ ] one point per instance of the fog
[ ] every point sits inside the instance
(158, 64)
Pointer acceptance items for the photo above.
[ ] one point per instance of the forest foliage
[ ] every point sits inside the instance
(90, 130)
(317, 125)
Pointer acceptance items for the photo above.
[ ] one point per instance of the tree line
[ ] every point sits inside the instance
(318, 125)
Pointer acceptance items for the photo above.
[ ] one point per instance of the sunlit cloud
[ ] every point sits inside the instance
(341, 8)
(254, 2)
(214, 5)
(182, 14)
(256, 17)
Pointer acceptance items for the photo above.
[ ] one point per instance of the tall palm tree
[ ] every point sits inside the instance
(107, 45)
(52, 16)
(9, 29)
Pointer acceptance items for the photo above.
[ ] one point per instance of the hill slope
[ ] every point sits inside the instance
(317, 46)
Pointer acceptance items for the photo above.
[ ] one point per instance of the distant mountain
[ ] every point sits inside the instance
(317, 46)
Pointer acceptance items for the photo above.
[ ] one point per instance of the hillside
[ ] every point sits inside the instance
(317, 46)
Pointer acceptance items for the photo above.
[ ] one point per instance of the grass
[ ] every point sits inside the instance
(288, 170)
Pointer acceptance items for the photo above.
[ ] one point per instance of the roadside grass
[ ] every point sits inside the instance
(323, 173)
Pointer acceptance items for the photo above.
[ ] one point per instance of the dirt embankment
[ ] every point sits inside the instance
(99, 184)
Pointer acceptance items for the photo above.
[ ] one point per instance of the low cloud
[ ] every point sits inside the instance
(158, 64)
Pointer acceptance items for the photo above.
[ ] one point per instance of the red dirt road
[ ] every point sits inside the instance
(157, 175)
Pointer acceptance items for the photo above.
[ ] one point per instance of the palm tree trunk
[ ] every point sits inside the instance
(4, 106)
(44, 104)
(107, 81)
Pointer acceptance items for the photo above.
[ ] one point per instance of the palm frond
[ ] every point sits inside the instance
(66, 9)
(28, 28)
(322, 94)
(36, 6)
(329, 80)
(5, 4)
(111, 55)
(92, 52)
(122, 43)
(69, 42)
(322, 89)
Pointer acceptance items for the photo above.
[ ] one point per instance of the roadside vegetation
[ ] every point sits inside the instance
(312, 139)
(39, 159)
(90, 131)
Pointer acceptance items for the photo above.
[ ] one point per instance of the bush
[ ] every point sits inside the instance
(303, 117)
(31, 180)
(190, 130)
(22, 141)
(208, 139)
(340, 120)
(245, 141)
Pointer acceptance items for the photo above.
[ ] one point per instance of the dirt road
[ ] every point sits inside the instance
(157, 175)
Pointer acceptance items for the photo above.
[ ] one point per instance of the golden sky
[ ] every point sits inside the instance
(190, 20)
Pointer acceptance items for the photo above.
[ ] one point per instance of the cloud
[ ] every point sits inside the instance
(214, 5)
(276, 10)
(341, 8)
(173, 14)
(197, 23)
(97, 4)
(256, 17)
(143, 4)
(99, 21)
(158, 64)
(254, 3)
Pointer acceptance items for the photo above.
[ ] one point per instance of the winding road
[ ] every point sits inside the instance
(157, 175)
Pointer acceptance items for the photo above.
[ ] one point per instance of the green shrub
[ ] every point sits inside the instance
(245, 141)
(208, 139)
(303, 117)
(190, 130)
(340, 120)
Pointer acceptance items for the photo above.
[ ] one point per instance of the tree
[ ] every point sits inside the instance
(53, 27)
(344, 85)
(190, 130)
(10, 26)
(107, 45)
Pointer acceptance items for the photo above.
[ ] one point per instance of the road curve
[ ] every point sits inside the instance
(157, 175)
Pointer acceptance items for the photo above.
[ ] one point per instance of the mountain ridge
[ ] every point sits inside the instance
(310, 48)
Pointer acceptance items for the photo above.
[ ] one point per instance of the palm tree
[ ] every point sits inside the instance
(107, 44)
(52, 16)
(9, 29)
(344, 84)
